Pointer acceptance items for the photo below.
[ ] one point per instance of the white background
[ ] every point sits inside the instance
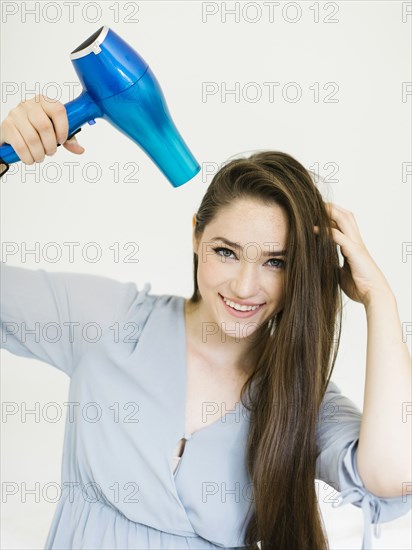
(365, 135)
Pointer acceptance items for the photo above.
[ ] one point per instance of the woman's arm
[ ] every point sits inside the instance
(384, 449)
(384, 452)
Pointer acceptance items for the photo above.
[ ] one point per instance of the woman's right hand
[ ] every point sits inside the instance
(28, 128)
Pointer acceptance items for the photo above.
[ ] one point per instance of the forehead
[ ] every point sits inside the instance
(246, 220)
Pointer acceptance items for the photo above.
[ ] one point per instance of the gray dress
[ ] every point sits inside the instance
(125, 353)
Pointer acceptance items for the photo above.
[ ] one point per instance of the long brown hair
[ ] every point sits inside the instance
(293, 353)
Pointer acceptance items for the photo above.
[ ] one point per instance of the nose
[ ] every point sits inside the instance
(246, 283)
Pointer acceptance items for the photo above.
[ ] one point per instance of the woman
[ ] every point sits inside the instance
(232, 386)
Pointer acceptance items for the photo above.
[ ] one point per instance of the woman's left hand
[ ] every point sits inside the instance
(360, 277)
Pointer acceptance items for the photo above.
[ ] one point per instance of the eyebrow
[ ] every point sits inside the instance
(238, 247)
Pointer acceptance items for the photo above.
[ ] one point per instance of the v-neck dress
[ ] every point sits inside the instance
(124, 350)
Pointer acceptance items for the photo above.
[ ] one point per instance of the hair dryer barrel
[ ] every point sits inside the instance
(141, 113)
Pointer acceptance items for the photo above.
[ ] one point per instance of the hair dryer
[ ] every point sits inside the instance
(119, 86)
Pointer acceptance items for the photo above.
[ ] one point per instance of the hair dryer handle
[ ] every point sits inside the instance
(79, 111)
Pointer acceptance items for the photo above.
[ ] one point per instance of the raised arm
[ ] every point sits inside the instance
(53, 316)
(56, 317)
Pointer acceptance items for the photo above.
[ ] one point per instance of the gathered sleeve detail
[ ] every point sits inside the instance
(337, 438)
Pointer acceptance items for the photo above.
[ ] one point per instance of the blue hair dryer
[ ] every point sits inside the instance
(119, 86)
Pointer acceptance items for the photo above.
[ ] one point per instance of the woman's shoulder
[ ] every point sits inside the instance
(142, 299)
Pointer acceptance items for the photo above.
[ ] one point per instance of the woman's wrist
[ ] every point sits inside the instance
(381, 295)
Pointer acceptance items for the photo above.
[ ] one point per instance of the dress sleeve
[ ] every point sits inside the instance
(54, 316)
(337, 439)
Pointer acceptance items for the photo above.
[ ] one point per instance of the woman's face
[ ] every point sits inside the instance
(254, 275)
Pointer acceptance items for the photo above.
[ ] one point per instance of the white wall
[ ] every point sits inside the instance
(352, 121)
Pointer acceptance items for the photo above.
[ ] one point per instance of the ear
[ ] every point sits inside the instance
(195, 243)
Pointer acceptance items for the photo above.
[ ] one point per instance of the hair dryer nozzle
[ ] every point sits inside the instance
(141, 113)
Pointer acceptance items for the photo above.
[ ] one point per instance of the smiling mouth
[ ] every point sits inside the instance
(247, 310)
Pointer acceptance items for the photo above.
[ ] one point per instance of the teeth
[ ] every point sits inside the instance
(239, 307)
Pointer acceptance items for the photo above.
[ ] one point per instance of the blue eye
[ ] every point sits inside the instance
(221, 248)
(280, 264)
